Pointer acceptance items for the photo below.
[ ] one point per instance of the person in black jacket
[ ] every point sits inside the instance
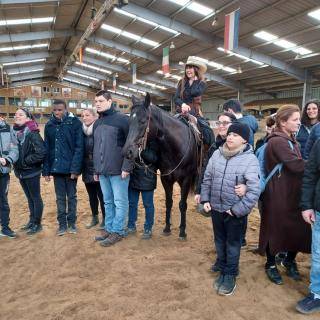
(63, 140)
(112, 169)
(89, 116)
(29, 166)
(143, 180)
(310, 205)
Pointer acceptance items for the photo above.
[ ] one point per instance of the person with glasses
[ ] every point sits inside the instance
(64, 145)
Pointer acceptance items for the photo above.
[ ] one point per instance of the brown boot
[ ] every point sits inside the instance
(111, 240)
(104, 235)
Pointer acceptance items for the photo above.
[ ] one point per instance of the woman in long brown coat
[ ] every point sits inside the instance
(282, 227)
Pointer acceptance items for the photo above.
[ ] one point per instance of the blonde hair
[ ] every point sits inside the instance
(284, 113)
(93, 112)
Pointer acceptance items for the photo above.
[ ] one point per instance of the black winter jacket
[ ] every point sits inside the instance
(310, 195)
(142, 179)
(110, 133)
(88, 167)
(64, 146)
(31, 156)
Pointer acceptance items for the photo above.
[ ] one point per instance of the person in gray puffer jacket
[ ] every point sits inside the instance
(232, 164)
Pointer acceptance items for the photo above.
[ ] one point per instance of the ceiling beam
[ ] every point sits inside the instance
(30, 76)
(4, 2)
(39, 35)
(11, 69)
(213, 40)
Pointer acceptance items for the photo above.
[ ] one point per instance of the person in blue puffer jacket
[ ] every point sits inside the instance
(63, 139)
(309, 119)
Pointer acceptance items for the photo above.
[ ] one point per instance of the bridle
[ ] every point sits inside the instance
(142, 146)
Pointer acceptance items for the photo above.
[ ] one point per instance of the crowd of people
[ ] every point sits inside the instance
(229, 185)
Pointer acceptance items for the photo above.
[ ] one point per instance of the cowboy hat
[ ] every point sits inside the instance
(195, 61)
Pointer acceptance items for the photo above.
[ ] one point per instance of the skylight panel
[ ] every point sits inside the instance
(315, 14)
(285, 44)
(23, 62)
(26, 71)
(25, 21)
(302, 51)
(23, 47)
(199, 8)
(265, 36)
(82, 75)
(107, 55)
(77, 82)
(93, 67)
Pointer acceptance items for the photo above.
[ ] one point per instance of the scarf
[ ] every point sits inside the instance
(88, 130)
(227, 153)
(22, 131)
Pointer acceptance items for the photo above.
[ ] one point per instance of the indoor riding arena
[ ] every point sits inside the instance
(57, 56)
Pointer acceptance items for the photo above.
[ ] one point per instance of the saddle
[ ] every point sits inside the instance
(192, 122)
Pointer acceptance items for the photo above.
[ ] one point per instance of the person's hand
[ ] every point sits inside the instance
(207, 207)
(124, 174)
(74, 176)
(229, 213)
(309, 216)
(240, 190)
(3, 161)
(185, 108)
(96, 177)
(197, 198)
(47, 178)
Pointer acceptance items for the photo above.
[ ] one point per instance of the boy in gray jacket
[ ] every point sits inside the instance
(232, 164)
(9, 154)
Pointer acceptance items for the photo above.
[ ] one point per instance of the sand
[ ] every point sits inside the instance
(72, 277)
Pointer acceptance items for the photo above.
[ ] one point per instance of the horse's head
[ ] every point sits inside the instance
(138, 126)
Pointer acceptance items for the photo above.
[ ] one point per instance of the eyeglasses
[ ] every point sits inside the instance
(222, 123)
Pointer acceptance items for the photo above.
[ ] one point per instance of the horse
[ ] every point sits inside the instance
(178, 152)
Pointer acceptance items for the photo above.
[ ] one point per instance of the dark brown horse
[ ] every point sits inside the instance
(177, 155)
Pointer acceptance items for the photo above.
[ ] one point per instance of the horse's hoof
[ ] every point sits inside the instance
(183, 238)
(166, 233)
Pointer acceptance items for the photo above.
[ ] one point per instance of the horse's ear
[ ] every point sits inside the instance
(147, 100)
(134, 100)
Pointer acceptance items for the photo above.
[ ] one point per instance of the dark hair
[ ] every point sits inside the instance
(27, 113)
(182, 82)
(284, 113)
(105, 94)
(231, 116)
(233, 104)
(270, 121)
(59, 101)
(304, 117)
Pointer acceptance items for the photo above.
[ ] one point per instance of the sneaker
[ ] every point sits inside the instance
(94, 222)
(217, 283)
(7, 232)
(308, 305)
(280, 257)
(34, 229)
(291, 270)
(274, 275)
(111, 240)
(131, 230)
(228, 285)
(61, 231)
(147, 234)
(72, 228)
(104, 235)
(27, 226)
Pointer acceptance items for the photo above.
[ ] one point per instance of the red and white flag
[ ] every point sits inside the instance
(231, 30)
(165, 61)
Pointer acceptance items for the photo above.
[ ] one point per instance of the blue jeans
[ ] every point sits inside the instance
(228, 234)
(115, 197)
(315, 257)
(147, 199)
(66, 192)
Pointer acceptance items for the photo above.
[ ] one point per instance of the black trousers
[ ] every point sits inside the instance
(4, 205)
(271, 259)
(228, 234)
(31, 188)
(95, 197)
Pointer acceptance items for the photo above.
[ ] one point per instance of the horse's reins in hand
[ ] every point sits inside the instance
(143, 144)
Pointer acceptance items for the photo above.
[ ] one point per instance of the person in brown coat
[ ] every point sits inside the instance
(282, 227)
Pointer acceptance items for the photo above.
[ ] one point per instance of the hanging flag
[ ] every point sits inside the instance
(102, 84)
(165, 61)
(231, 30)
(134, 73)
(2, 76)
(114, 83)
(81, 55)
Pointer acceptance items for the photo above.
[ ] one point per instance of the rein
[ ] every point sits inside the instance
(142, 147)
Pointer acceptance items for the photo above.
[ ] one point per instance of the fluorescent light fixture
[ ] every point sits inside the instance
(119, 93)
(77, 82)
(180, 2)
(216, 65)
(30, 46)
(150, 84)
(265, 36)
(194, 6)
(240, 56)
(228, 69)
(315, 14)
(82, 75)
(26, 71)
(89, 66)
(129, 35)
(107, 55)
(23, 62)
(285, 44)
(133, 16)
(25, 21)
(301, 50)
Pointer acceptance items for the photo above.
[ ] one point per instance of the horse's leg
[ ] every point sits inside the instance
(168, 188)
(185, 187)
